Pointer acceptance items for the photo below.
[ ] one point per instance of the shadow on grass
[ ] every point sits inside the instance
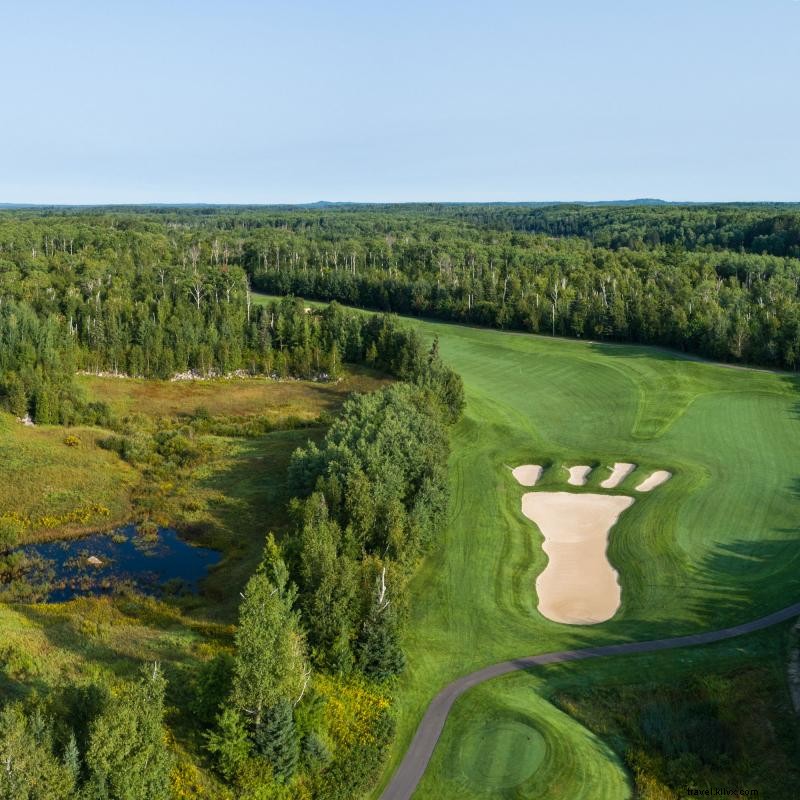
(727, 594)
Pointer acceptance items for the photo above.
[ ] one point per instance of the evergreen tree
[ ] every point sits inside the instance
(72, 758)
(270, 651)
(127, 757)
(315, 752)
(276, 740)
(379, 652)
(45, 406)
(229, 742)
(18, 399)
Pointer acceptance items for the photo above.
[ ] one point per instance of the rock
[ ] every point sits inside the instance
(94, 561)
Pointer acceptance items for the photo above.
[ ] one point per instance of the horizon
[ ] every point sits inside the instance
(321, 204)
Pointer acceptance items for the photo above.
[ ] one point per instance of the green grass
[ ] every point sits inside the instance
(42, 477)
(717, 544)
(501, 752)
(504, 740)
(590, 718)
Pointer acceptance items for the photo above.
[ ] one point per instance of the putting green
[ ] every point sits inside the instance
(501, 754)
(502, 740)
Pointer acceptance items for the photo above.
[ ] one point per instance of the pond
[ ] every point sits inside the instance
(104, 562)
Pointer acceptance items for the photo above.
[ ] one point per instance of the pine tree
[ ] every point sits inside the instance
(72, 758)
(276, 740)
(45, 406)
(229, 743)
(315, 752)
(270, 650)
(127, 757)
(379, 653)
(18, 400)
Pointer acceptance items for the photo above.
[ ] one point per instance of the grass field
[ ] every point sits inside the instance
(719, 543)
(55, 488)
(58, 489)
(303, 400)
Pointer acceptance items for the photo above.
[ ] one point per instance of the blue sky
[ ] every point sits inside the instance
(266, 102)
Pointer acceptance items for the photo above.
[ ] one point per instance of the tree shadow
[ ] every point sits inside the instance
(724, 590)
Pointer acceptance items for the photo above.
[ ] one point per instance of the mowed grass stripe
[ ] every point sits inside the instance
(717, 544)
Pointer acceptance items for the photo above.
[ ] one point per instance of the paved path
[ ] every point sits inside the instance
(404, 781)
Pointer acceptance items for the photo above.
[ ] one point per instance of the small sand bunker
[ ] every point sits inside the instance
(656, 479)
(578, 475)
(578, 586)
(527, 474)
(621, 471)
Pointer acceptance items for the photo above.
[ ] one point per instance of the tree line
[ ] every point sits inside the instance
(157, 291)
(330, 599)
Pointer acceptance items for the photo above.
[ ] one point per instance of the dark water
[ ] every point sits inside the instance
(155, 565)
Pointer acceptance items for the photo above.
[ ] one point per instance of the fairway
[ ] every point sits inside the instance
(715, 544)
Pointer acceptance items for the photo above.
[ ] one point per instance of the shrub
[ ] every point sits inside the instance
(229, 743)
(71, 440)
(211, 686)
(10, 532)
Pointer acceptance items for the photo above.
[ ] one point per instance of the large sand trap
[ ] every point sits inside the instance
(656, 479)
(578, 586)
(621, 471)
(578, 475)
(527, 474)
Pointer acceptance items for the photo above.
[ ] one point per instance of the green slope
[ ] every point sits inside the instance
(717, 544)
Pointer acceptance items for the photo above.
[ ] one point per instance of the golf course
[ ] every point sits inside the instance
(713, 546)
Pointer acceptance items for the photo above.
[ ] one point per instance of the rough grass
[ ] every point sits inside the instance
(717, 544)
(41, 477)
(241, 498)
(235, 499)
(303, 400)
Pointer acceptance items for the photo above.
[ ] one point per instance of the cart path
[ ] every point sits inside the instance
(405, 779)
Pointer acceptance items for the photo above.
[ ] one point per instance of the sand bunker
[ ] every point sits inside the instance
(527, 474)
(578, 475)
(621, 471)
(656, 479)
(578, 586)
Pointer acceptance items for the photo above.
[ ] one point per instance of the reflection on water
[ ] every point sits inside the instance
(103, 562)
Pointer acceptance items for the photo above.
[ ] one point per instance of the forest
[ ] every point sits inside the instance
(158, 291)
